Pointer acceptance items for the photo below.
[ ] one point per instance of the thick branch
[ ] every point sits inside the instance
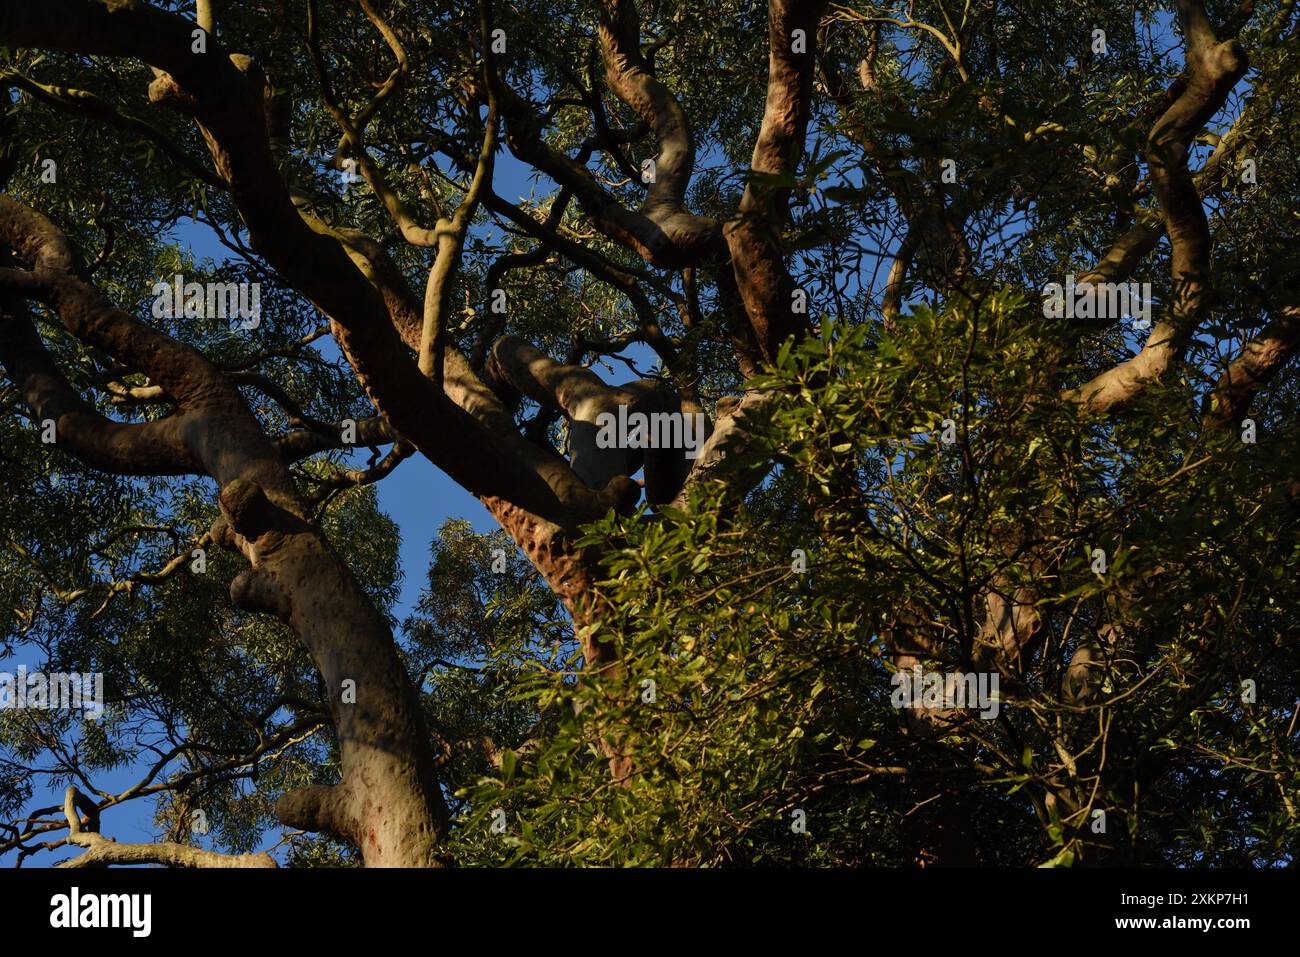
(1259, 361)
(1213, 69)
(152, 448)
(765, 284)
(102, 851)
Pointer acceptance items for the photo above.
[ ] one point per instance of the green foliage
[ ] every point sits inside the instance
(772, 687)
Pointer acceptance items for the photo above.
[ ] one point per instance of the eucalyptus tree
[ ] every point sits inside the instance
(831, 226)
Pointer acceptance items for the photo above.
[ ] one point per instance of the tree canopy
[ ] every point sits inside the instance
(986, 312)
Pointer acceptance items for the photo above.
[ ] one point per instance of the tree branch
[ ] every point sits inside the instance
(764, 282)
(102, 851)
(1213, 70)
